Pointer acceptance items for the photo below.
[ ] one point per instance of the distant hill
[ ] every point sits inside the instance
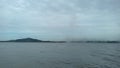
(37, 40)
(25, 40)
(32, 40)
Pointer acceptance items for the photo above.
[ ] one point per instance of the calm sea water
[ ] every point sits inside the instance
(59, 55)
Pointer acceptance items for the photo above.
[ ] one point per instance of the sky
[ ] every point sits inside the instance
(60, 19)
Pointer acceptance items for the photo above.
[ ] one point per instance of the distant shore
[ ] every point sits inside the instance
(32, 40)
(41, 41)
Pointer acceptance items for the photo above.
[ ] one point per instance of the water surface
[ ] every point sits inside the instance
(59, 55)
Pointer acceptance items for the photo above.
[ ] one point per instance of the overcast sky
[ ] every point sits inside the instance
(60, 19)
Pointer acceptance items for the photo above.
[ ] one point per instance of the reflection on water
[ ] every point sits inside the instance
(59, 55)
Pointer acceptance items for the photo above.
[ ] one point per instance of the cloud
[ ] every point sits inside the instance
(60, 19)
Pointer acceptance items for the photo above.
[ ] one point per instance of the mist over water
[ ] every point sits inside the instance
(59, 55)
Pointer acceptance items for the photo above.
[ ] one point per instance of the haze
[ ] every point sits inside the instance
(60, 19)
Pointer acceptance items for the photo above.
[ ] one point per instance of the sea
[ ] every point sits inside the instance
(59, 55)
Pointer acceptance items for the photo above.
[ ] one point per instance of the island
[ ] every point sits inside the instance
(37, 40)
(32, 40)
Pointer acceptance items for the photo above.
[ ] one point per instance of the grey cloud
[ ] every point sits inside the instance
(60, 19)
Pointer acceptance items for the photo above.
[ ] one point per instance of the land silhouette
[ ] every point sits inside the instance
(37, 40)
(31, 40)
